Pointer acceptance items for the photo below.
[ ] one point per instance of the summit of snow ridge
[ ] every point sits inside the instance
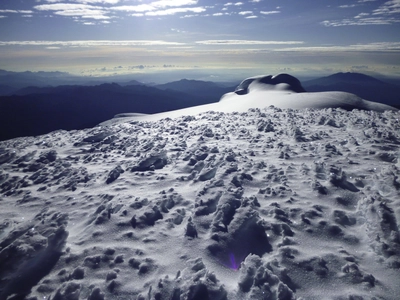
(270, 82)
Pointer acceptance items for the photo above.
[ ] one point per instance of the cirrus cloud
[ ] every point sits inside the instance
(271, 12)
(370, 47)
(174, 3)
(13, 11)
(134, 8)
(247, 42)
(247, 12)
(388, 8)
(75, 10)
(173, 11)
(90, 43)
(360, 20)
(87, 1)
(385, 14)
(106, 9)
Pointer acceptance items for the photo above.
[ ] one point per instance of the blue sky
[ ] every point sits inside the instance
(93, 37)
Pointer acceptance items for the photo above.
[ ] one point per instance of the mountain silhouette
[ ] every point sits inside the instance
(210, 91)
(35, 111)
(364, 86)
(347, 77)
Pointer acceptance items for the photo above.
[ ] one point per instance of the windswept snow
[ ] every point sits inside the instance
(263, 203)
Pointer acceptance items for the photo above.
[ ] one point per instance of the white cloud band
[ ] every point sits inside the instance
(90, 43)
(247, 42)
(371, 47)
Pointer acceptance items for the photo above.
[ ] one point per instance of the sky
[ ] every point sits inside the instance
(100, 37)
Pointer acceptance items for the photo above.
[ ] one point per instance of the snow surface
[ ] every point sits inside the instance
(262, 203)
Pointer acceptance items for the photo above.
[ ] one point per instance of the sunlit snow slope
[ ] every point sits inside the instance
(282, 91)
(263, 203)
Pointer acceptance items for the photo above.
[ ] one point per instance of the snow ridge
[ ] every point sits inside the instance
(282, 91)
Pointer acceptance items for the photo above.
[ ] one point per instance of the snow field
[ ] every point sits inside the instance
(267, 203)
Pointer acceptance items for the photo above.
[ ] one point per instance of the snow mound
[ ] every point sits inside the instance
(285, 91)
(282, 91)
(280, 82)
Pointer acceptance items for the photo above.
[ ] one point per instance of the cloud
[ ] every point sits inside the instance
(85, 14)
(75, 10)
(271, 12)
(371, 47)
(5, 11)
(178, 30)
(134, 8)
(248, 12)
(65, 6)
(388, 8)
(385, 14)
(358, 68)
(87, 1)
(347, 6)
(234, 4)
(175, 3)
(361, 15)
(247, 42)
(84, 9)
(361, 21)
(12, 11)
(140, 67)
(173, 11)
(90, 43)
(160, 8)
(107, 9)
(153, 6)
(23, 13)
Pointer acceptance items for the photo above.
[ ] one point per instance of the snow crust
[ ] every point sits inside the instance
(265, 204)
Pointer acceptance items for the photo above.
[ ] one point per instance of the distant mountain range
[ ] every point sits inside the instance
(12, 81)
(364, 86)
(34, 103)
